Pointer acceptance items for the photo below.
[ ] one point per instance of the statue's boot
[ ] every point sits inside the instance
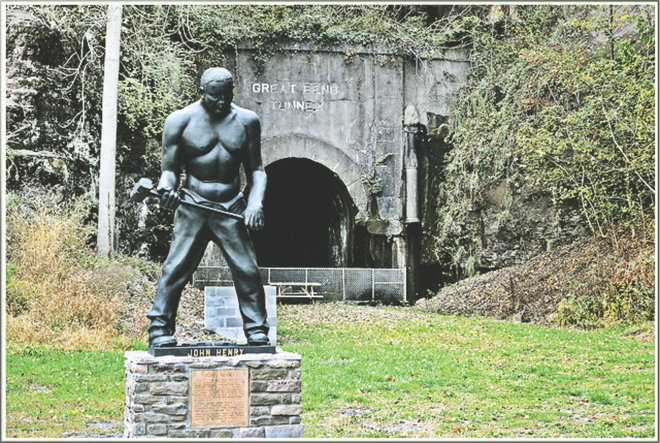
(258, 339)
(161, 337)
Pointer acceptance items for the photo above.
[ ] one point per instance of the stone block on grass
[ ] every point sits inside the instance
(286, 431)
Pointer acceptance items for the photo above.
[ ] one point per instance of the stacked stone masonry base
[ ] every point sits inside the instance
(158, 396)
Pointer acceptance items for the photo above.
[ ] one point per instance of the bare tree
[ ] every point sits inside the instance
(106, 241)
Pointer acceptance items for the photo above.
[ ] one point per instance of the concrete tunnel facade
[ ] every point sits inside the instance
(341, 133)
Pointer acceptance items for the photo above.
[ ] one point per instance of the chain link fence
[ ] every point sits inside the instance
(336, 284)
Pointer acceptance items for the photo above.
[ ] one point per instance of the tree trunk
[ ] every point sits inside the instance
(106, 238)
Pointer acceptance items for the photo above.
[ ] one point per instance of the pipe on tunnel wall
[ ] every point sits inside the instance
(415, 132)
(414, 135)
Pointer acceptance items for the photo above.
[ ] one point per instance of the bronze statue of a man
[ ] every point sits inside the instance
(210, 139)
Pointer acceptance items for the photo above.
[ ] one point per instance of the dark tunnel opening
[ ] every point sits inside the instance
(309, 215)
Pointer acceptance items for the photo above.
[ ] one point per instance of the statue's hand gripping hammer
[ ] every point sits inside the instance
(145, 187)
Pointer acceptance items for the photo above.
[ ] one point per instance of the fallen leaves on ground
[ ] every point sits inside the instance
(533, 290)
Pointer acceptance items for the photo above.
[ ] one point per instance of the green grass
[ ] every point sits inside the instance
(51, 392)
(390, 372)
(395, 372)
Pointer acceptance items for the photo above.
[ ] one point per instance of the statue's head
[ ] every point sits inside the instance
(220, 75)
(217, 87)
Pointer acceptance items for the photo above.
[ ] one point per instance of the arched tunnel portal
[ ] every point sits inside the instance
(309, 217)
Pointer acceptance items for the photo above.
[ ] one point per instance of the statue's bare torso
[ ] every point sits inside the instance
(210, 139)
(212, 151)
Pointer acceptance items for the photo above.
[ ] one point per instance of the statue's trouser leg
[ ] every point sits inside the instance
(233, 238)
(189, 241)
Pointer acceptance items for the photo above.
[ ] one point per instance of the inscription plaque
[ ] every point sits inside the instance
(209, 349)
(219, 398)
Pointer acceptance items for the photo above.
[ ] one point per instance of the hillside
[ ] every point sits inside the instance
(588, 284)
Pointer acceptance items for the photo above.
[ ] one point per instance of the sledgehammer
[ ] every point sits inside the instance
(145, 187)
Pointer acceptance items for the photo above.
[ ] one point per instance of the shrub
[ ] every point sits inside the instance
(620, 287)
(59, 291)
(15, 298)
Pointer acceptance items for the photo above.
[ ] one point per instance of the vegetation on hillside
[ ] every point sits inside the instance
(61, 295)
(561, 103)
(592, 283)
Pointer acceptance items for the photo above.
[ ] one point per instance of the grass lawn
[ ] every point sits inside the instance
(54, 394)
(390, 372)
(396, 372)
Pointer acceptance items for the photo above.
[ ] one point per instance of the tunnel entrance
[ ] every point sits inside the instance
(309, 215)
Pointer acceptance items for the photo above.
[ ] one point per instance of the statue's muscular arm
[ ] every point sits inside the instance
(254, 170)
(175, 123)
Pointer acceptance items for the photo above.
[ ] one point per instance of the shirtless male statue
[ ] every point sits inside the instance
(210, 139)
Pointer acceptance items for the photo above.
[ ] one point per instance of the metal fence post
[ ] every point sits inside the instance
(343, 283)
(405, 284)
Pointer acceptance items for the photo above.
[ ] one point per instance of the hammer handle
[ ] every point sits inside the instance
(208, 208)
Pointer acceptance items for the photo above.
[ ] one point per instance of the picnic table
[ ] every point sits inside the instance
(294, 290)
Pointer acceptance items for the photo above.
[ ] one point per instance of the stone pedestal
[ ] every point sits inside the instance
(249, 395)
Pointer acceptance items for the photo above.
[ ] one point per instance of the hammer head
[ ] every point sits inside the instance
(141, 189)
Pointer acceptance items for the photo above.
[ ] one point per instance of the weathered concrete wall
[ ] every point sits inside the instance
(432, 85)
(344, 108)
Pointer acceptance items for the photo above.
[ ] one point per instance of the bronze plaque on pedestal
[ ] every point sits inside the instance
(219, 398)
